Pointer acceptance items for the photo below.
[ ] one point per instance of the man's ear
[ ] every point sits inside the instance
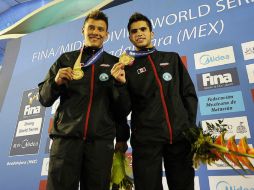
(130, 40)
(152, 35)
(82, 31)
(105, 37)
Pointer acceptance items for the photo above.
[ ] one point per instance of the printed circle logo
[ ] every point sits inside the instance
(204, 59)
(167, 76)
(222, 185)
(103, 77)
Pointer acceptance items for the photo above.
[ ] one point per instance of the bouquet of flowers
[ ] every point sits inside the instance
(121, 174)
(208, 148)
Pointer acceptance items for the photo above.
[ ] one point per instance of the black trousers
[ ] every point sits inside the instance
(147, 166)
(74, 161)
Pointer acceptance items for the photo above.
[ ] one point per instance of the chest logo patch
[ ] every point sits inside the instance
(164, 64)
(103, 77)
(167, 76)
(141, 70)
(104, 65)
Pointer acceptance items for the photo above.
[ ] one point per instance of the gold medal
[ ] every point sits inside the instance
(77, 73)
(126, 59)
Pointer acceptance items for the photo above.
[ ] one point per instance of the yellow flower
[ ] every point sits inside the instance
(121, 174)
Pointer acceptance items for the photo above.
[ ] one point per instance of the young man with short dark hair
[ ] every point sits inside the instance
(163, 101)
(85, 123)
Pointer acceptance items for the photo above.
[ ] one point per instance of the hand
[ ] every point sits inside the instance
(118, 72)
(63, 76)
(121, 147)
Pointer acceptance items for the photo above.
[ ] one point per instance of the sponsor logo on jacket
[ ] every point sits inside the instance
(141, 70)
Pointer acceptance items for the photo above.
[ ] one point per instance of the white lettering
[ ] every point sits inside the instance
(216, 79)
(32, 110)
(230, 4)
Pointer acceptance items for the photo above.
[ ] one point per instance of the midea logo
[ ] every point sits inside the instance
(207, 59)
(26, 143)
(223, 185)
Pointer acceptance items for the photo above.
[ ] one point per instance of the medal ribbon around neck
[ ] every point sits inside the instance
(77, 71)
(140, 53)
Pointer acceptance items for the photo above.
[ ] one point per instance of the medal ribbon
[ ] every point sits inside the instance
(90, 61)
(140, 53)
(94, 58)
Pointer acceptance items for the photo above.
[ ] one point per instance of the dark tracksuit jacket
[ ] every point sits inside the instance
(161, 96)
(86, 107)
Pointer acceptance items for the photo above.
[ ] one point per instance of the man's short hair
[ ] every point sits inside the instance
(139, 17)
(97, 15)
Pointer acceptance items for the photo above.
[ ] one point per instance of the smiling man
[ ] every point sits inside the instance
(163, 101)
(85, 123)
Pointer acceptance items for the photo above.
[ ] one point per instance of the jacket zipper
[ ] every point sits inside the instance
(162, 99)
(90, 102)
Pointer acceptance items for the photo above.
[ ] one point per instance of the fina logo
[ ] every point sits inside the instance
(32, 110)
(207, 59)
(216, 79)
(223, 185)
